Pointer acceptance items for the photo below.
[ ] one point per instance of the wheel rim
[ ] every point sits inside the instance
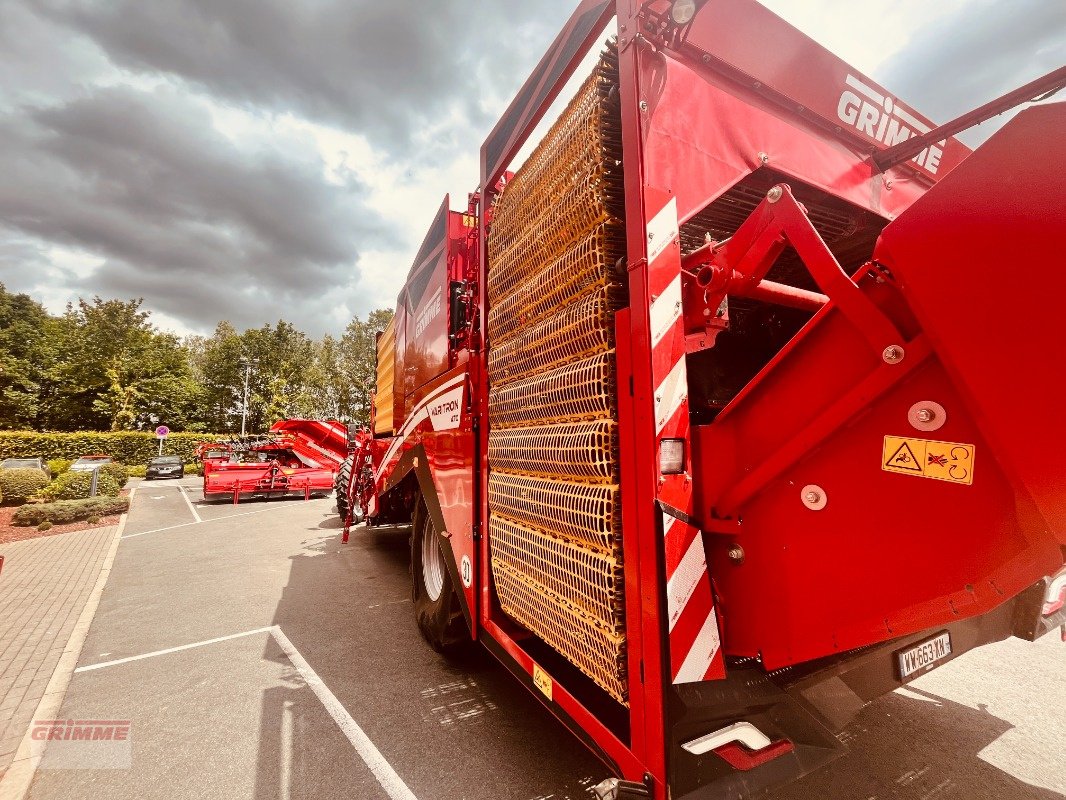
(432, 564)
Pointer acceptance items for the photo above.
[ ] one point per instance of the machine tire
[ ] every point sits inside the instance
(340, 487)
(439, 618)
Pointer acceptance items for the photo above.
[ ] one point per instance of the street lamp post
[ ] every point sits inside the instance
(248, 363)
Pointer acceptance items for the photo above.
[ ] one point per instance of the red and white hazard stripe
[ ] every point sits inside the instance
(695, 643)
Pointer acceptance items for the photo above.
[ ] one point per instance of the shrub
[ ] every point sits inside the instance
(64, 511)
(127, 447)
(76, 485)
(136, 472)
(44, 526)
(116, 471)
(57, 466)
(19, 485)
(93, 520)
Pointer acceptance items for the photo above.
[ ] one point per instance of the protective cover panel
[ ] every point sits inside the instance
(553, 287)
(383, 399)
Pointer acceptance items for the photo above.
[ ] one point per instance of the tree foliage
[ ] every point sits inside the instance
(103, 365)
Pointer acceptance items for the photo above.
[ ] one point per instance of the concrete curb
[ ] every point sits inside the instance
(16, 781)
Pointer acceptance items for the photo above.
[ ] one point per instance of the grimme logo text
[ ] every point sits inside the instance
(86, 730)
(883, 119)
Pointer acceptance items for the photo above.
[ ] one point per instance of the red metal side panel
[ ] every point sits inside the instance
(426, 301)
(767, 53)
(688, 109)
(979, 259)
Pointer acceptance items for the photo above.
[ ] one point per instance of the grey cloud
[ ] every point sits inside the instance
(199, 225)
(977, 54)
(387, 70)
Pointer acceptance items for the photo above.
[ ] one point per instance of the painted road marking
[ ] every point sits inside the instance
(382, 770)
(188, 502)
(154, 653)
(392, 783)
(208, 521)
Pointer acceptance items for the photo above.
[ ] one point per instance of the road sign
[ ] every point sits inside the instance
(162, 432)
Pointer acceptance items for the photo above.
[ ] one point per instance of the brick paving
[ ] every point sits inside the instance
(44, 586)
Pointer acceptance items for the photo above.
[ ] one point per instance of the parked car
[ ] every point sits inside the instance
(165, 467)
(26, 463)
(89, 463)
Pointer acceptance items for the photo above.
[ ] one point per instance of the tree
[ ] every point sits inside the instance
(114, 371)
(26, 355)
(358, 363)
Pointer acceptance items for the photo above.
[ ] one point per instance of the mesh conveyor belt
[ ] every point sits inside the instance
(555, 527)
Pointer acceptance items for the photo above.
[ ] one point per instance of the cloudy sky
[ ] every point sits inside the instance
(256, 159)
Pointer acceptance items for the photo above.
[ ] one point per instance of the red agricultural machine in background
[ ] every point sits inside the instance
(738, 404)
(297, 456)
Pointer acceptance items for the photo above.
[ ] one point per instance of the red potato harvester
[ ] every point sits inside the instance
(297, 456)
(710, 420)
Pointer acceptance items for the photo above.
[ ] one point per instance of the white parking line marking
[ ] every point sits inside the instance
(102, 664)
(206, 521)
(188, 502)
(390, 781)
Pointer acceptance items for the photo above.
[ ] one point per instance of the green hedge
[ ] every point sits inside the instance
(66, 511)
(57, 466)
(116, 471)
(125, 447)
(77, 485)
(19, 485)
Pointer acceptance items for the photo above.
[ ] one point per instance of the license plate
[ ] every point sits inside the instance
(924, 655)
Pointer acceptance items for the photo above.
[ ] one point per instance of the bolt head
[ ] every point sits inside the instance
(774, 194)
(813, 497)
(643, 105)
(893, 354)
(925, 415)
(736, 554)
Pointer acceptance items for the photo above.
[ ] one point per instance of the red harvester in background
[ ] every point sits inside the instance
(297, 456)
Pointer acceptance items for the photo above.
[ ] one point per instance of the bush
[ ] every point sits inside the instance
(57, 466)
(66, 511)
(136, 472)
(76, 485)
(19, 485)
(116, 471)
(129, 447)
(93, 520)
(44, 526)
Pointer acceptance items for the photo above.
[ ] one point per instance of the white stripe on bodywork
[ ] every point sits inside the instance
(668, 523)
(869, 91)
(665, 311)
(682, 584)
(672, 392)
(417, 417)
(699, 658)
(662, 230)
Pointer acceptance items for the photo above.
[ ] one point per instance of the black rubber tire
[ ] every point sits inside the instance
(340, 487)
(440, 621)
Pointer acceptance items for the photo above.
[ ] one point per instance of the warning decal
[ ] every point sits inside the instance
(923, 458)
(543, 681)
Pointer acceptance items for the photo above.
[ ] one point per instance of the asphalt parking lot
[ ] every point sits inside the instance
(255, 656)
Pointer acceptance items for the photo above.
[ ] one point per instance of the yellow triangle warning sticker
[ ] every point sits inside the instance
(925, 458)
(903, 459)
